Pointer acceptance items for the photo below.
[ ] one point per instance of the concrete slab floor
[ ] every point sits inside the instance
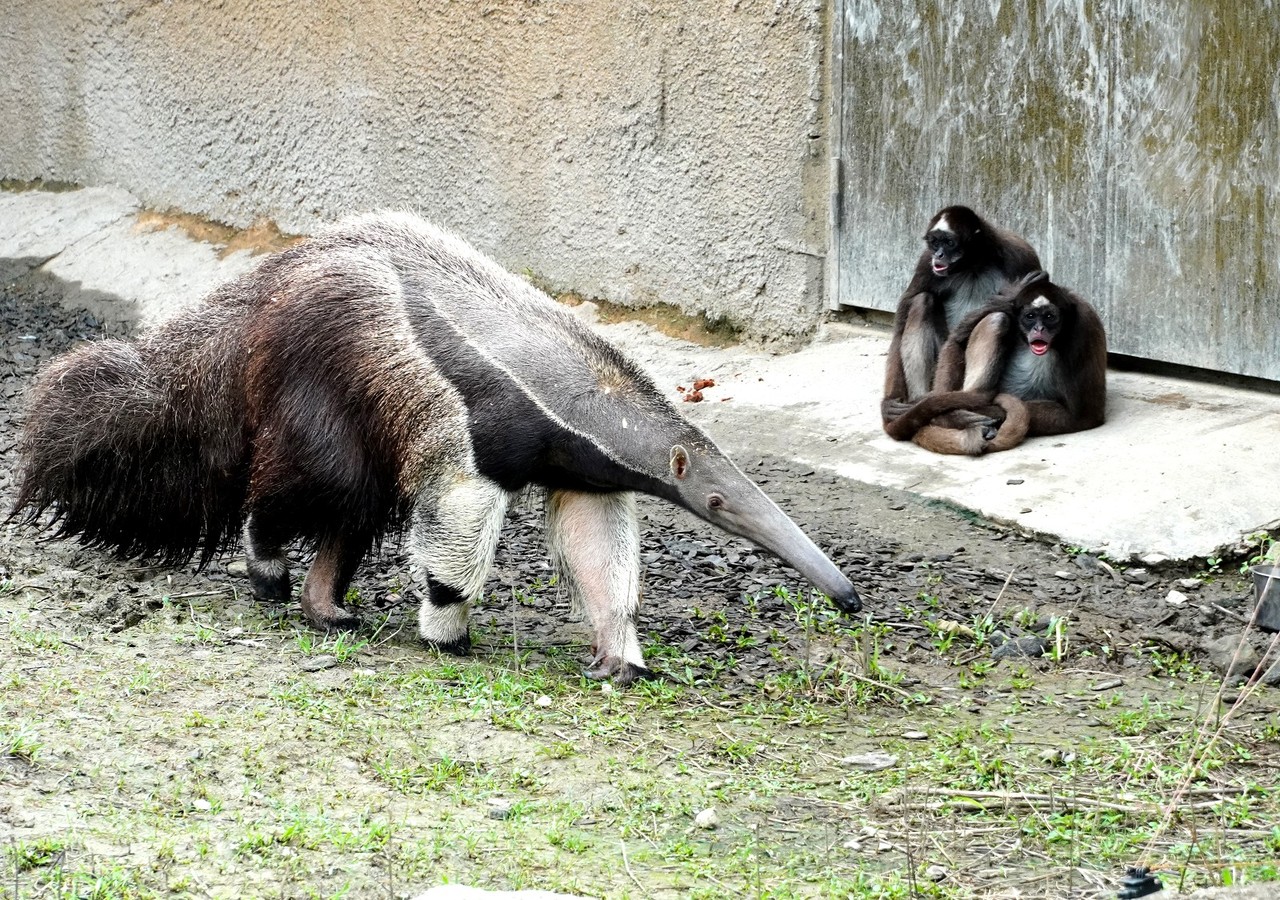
(1181, 470)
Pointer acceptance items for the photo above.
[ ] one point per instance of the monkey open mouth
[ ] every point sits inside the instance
(1039, 348)
(940, 268)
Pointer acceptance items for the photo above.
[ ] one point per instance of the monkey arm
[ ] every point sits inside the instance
(912, 353)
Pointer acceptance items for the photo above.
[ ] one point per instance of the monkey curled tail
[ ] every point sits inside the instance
(384, 374)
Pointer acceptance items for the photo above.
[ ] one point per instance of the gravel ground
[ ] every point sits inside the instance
(896, 547)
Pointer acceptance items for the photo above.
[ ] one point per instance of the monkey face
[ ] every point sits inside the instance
(1040, 321)
(945, 249)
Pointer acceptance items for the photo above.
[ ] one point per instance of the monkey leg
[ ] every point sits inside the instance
(264, 540)
(595, 542)
(337, 558)
(970, 441)
(455, 537)
(983, 355)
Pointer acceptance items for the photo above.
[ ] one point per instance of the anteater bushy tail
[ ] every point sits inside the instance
(140, 446)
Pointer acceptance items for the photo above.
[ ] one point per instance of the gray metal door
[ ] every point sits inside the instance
(1133, 142)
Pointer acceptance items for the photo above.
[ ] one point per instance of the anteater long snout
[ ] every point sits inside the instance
(747, 511)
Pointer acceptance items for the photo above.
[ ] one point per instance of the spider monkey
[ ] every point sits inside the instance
(1032, 362)
(966, 261)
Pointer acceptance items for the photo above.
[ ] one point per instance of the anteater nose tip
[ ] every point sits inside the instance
(848, 602)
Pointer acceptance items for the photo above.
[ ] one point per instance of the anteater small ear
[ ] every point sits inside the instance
(679, 462)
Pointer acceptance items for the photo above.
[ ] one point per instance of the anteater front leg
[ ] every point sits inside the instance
(264, 556)
(456, 536)
(595, 541)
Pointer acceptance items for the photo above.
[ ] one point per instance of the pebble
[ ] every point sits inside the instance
(318, 663)
(874, 761)
(707, 819)
(1029, 646)
(1137, 576)
(1107, 685)
(237, 567)
(935, 873)
(1190, 584)
(915, 735)
(500, 808)
(1176, 598)
(543, 702)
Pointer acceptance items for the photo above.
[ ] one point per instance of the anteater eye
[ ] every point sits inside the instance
(715, 501)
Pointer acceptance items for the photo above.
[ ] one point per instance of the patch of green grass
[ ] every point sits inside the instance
(342, 646)
(19, 743)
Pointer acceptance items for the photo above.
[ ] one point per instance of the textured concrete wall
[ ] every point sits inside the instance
(670, 150)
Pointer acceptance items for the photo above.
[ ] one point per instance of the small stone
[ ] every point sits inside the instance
(853, 844)
(318, 663)
(1029, 646)
(543, 702)
(1154, 559)
(237, 567)
(1176, 598)
(707, 819)
(606, 688)
(1052, 756)
(935, 873)
(1065, 575)
(884, 846)
(1137, 576)
(1232, 655)
(1107, 685)
(915, 735)
(500, 808)
(874, 761)
(1190, 584)
(1014, 481)
(201, 804)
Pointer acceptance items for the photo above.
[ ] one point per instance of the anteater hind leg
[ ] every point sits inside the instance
(264, 555)
(595, 540)
(337, 558)
(456, 536)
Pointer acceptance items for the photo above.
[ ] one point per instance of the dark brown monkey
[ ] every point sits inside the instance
(1033, 362)
(966, 261)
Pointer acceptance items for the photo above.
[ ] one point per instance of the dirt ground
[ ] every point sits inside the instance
(165, 734)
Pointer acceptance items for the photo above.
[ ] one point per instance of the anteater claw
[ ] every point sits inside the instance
(621, 672)
(457, 647)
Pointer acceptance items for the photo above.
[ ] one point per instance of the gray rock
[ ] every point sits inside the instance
(874, 761)
(1028, 647)
(500, 808)
(1232, 655)
(318, 663)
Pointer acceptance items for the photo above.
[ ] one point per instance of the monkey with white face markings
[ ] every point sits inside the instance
(379, 375)
(1032, 362)
(966, 261)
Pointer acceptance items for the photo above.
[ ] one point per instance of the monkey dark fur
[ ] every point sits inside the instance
(966, 260)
